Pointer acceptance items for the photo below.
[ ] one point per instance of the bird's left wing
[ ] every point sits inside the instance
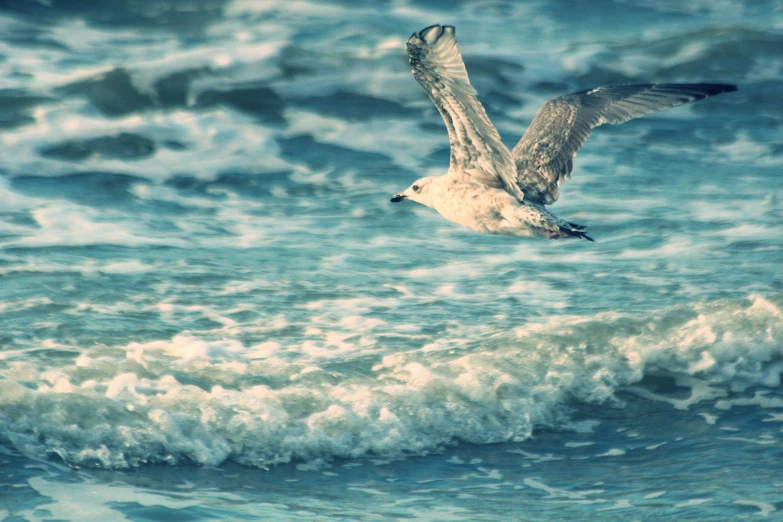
(477, 154)
(544, 156)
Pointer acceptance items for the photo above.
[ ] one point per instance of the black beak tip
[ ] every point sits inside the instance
(397, 198)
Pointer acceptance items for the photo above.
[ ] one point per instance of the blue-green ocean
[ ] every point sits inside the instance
(210, 310)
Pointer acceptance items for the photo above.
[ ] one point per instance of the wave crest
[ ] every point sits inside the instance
(206, 402)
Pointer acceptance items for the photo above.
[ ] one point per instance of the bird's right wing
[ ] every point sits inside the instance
(544, 155)
(477, 154)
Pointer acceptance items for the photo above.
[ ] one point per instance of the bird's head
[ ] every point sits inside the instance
(420, 192)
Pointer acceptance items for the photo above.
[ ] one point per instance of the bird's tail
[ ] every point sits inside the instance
(576, 230)
(583, 236)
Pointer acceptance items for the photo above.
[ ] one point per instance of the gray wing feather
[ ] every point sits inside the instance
(477, 154)
(544, 155)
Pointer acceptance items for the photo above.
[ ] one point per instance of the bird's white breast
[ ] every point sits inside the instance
(480, 208)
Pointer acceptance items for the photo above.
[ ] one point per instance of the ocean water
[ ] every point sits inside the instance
(209, 310)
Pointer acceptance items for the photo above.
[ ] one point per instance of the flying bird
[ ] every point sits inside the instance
(493, 190)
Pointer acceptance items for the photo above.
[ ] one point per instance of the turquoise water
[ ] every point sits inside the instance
(211, 311)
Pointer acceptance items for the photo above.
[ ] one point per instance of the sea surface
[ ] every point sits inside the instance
(210, 310)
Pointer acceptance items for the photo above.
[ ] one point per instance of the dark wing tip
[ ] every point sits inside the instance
(717, 88)
(700, 90)
(712, 88)
(431, 34)
(428, 28)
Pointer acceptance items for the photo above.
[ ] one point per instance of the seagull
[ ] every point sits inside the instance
(491, 190)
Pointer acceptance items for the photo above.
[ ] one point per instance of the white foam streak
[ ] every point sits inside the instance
(208, 400)
(64, 223)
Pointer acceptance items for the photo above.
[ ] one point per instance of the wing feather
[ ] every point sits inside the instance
(544, 155)
(477, 153)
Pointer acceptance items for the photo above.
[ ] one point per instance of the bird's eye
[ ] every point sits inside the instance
(415, 188)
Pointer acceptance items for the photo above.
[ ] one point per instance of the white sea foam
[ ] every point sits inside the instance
(389, 137)
(745, 150)
(218, 141)
(271, 402)
(692, 502)
(614, 452)
(764, 508)
(62, 223)
(66, 502)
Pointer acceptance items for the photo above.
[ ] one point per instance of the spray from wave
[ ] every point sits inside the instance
(192, 400)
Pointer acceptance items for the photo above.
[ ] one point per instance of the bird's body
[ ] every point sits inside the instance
(492, 190)
(490, 210)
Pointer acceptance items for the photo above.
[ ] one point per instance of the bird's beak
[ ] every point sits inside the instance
(398, 197)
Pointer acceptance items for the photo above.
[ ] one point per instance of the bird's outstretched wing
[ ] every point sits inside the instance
(477, 154)
(544, 155)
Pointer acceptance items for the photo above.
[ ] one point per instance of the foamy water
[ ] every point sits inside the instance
(211, 311)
